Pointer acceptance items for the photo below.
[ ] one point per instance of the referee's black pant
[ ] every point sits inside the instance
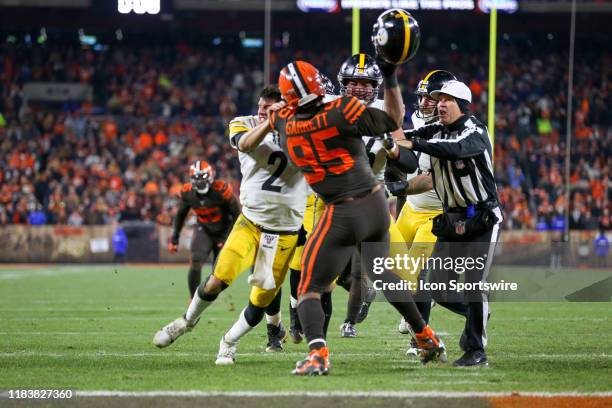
(473, 305)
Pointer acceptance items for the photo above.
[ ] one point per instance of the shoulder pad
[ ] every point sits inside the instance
(186, 188)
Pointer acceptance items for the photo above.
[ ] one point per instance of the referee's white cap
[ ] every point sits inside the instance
(456, 89)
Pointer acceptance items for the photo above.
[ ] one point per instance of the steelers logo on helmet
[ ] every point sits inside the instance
(396, 36)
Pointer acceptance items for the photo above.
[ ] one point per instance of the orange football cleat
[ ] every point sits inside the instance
(430, 345)
(316, 363)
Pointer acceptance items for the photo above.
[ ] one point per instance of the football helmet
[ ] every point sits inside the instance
(396, 36)
(201, 175)
(360, 66)
(300, 83)
(433, 81)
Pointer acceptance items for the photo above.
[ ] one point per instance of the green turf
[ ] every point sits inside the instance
(90, 328)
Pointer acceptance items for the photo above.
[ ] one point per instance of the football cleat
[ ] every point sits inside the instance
(276, 337)
(227, 353)
(474, 358)
(316, 363)
(404, 327)
(430, 345)
(169, 333)
(348, 330)
(365, 306)
(413, 350)
(295, 329)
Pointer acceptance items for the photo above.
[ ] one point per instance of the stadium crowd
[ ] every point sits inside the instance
(125, 154)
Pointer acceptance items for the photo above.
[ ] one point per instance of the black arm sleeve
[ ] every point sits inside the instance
(375, 122)
(425, 132)
(471, 142)
(407, 161)
(179, 221)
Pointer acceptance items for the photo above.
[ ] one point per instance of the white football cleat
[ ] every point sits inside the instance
(169, 333)
(404, 327)
(227, 353)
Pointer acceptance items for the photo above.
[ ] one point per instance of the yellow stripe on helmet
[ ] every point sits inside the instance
(361, 65)
(405, 16)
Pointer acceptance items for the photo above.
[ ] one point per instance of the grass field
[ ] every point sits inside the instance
(90, 328)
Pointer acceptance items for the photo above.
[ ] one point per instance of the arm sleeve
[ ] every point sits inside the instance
(374, 122)
(237, 128)
(181, 215)
(424, 132)
(471, 142)
(406, 162)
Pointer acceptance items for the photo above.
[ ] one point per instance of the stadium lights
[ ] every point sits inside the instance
(138, 6)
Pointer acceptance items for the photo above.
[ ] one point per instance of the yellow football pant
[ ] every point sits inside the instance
(415, 230)
(239, 252)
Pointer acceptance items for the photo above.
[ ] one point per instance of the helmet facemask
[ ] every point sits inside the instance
(426, 108)
(201, 182)
(359, 89)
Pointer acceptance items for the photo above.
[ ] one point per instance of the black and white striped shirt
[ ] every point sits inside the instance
(461, 164)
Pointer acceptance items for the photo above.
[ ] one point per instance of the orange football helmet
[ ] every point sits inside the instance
(201, 174)
(300, 83)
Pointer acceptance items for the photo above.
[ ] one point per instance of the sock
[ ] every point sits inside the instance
(239, 329)
(424, 309)
(312, 317)
(294, 280)
(355, 300)
(274, 319)
(327, 306)
(194, 277)
(410, 312)
(196, 307)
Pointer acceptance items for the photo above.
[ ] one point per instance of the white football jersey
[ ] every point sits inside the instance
(273, 191)
(429, 200)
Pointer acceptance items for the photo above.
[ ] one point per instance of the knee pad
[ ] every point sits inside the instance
(209, 297)
(253, 314)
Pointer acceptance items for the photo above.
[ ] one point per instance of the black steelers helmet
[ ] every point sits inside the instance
(433, 81)
(360, 66)
(396, 36)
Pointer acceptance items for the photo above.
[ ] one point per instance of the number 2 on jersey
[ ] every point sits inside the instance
(283, 161)
(302, 152)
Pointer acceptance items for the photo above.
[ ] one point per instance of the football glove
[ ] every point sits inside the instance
(387, 142)
(173, 246)
(386, 68)
(397, 188)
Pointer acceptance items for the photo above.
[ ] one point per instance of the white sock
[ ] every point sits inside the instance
(275, 320)
(196, 307)
(293, 302)
(239, 329)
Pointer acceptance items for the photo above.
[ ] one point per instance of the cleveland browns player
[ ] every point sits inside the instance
(216, 209)
(324, 141)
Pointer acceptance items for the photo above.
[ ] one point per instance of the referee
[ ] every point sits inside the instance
(462, 171)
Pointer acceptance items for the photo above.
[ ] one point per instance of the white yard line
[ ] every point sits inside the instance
(349, 394)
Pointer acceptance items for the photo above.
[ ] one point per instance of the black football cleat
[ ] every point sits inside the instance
(276, 337)
(365, 306)
(473, 358)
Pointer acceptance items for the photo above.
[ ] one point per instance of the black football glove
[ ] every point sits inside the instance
(386, 68)
(397, 188)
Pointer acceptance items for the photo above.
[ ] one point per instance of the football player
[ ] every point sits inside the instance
(216, 208)
(324, 141)
(273, 196)
(361, 77)
(422, 202)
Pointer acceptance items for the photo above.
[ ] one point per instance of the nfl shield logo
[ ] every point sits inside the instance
(459, 164)
(460, 227)
(268, 239)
